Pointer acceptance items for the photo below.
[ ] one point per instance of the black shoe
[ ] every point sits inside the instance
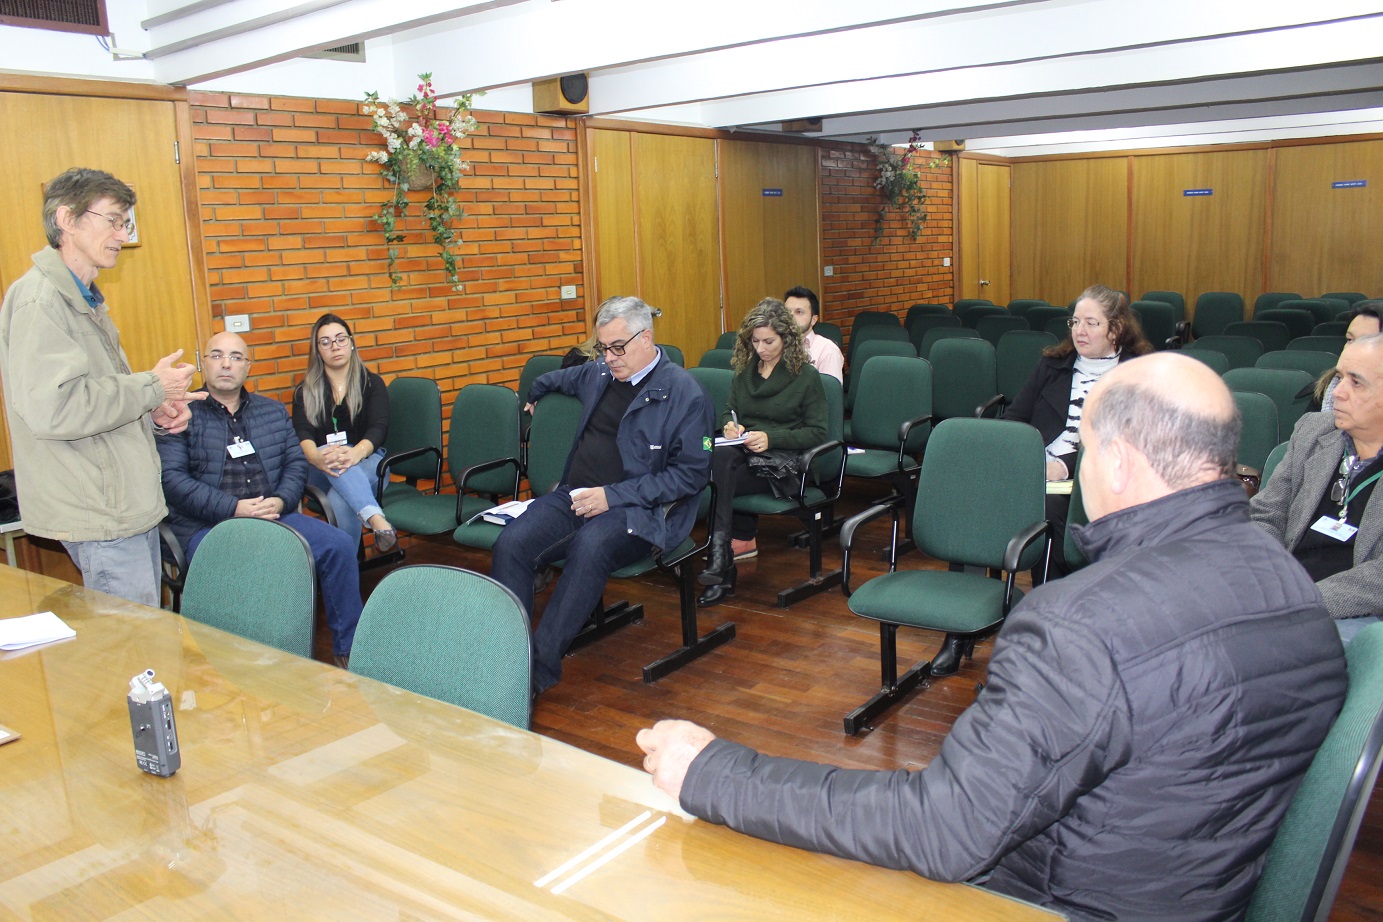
(718, 564)
(714, 595)
(947, 659)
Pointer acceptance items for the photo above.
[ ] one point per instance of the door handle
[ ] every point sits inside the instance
(984, 282)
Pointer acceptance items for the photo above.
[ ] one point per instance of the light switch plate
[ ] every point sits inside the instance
(830, 271)
(568, 292)
(237, 323)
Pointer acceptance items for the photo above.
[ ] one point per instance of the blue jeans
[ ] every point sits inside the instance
(124, 567)
(593, 548)
(352, 494)
(338, 574)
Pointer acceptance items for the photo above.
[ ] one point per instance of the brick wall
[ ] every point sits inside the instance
(287, 198)
(897, 271)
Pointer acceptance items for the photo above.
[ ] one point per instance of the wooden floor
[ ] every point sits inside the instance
(786, 680)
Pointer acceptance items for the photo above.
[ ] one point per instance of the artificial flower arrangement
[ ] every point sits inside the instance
(422, 154)
(900, 184)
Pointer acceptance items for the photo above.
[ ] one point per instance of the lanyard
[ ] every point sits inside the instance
(1344, 507)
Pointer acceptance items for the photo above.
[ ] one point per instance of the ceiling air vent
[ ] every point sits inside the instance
(354, 51)
(58, 15)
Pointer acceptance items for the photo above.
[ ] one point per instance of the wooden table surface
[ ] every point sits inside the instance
(307, 792)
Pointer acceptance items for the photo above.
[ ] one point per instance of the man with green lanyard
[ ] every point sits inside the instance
(1320, 501)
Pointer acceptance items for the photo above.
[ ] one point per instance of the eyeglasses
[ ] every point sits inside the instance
(616, 348)
(235, 358)
(117, 222)
(1089, 324)
(1337, 489)
(340, 339)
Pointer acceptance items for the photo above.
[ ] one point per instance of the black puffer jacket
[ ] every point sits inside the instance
(1145, 724)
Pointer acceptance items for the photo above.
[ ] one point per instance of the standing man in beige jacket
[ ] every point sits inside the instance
(81, 422)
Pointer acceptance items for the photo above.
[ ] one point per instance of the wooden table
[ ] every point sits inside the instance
(307, 792)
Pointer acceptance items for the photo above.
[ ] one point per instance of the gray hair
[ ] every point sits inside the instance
(79, 189)
(637, 315)
(1180, 442)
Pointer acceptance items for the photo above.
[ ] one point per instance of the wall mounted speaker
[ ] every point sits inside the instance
(955, 146)
(803, 125)
(561, 95)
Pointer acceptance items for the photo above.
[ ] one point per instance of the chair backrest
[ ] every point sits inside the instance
(1270, 333)
(996, 325)
(1259, 435)
(1215, 310)
(415, 421)
(1353, 297)
(1298, 321)
(1314, 364)
(1058, 327)
(869, 350)
(716, 383)
(1270, 299)
(716, 358)
(1307, 859)
(1016, 355)
(831, 332)
(1274, 459)
(534, 368)
(1038, 317)
(1215, 360)
(964, 376)
(964, 304)
(1019, 307)
(1332, 328)
(556, 420)
(925, 310)
(1075, 515)
(484, 427)
(982, 481)
(972, 316)
(1281, 385)
(936, 334)
(1241, 351)
(674, 354)
(276, 606)
(891, 390)
(920, 325)
(827, 465)
(871, 333)
(1158, 320)
(870, 318)
(1173, 298)
(1322, 310)
(1338, 307)
(727, 339)
(449, 634)
(1332, 344)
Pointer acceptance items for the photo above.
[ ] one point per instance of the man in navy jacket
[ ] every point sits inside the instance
(641, 457)
(240, 457)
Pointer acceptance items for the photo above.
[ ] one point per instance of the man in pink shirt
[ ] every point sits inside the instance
(825, 355)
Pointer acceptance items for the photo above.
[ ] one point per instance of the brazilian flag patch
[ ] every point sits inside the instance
(706, 443)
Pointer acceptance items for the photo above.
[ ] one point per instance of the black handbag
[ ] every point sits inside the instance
(782, 468)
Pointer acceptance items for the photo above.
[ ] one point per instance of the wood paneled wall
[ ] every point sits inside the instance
(1273, 221)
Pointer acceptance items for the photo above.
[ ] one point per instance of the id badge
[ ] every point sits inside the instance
(240, 449)
(1340, 531)
(336, 438)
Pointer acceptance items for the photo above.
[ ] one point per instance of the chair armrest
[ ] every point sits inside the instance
(174, 548)
(1019, 543)
(996, 401)
(670, 563)
(482, 468)
(847, 536)
(321, 497)
(810, 455)
(904, 430)
(382, 471)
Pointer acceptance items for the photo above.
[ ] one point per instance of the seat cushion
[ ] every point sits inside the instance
(940, 600)
(768, 504)
(420, 513)
(875, 463)
(478, 534)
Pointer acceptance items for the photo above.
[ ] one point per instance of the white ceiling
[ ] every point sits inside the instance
(1015, 78)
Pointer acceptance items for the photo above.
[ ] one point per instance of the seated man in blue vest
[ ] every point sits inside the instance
(642, 455)
(240, 457)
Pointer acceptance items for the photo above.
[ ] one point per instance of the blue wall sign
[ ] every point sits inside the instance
(1350, 184)
(773, 193)
(1198, 192)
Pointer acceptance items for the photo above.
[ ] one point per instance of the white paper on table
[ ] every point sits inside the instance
(722, 440)
(31, 630)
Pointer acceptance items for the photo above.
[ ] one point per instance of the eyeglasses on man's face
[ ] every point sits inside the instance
(118, 222)
(216, 358)
(340, 339)
(616, 348)
(1090, 323)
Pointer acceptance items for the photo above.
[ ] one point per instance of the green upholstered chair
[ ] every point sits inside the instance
(831, 332)
(1307, 859)
(716, 358)
(1314, 364)
(870, 318)
(869, 350)
(1322, 310)
(1352, 297)
(1016, 356)
(993, 326)
(1313, 343)
(1331, 328)
(1271, 299)
(1299, 322)
(1019, 307)
(1274, 459)
(981, 495)
(1168, 297)
(872, 333)
(1038, 317)
(973, 315)
(1258, 437)
(534, 368)
(716, 382)
(938, 333)
(823, 473)
(1270, 333)
(962, 307)
(449, 634)
(727, 339)
(892, 420)
(1058, 327)
(965, 378)
(924, 310)
(1340, 308)
(276, 606)
(1215, 360)
(1241, 351)
(1214, 311)
(1288, 388)
(482, 458)
(674, 354)
(1158, 320)
(920, 326)
(1075, 516)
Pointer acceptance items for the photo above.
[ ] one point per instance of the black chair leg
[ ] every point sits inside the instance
(894, 690)
(693, 645)
(818, 581)
(605, 621)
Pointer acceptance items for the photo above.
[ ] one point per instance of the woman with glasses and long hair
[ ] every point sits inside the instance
(1104, 332)
(341, 413)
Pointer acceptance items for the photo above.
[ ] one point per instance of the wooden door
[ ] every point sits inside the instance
(677, 236)
(771, 220)
(994, 256)
(612, 219)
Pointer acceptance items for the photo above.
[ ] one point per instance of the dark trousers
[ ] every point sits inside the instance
(592, 548)
(733, 477)
(338, 574)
